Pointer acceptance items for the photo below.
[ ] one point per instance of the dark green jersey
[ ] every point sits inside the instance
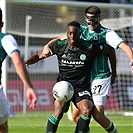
(100, 67)
(75, 64)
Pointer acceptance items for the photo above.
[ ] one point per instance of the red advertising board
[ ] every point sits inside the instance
(43, 89)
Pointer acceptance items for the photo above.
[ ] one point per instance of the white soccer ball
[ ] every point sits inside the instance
(63, 91)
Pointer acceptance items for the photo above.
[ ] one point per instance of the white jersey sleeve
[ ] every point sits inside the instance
(113, 39)
(9, 44)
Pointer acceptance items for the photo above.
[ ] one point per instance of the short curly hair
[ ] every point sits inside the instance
(74, 23)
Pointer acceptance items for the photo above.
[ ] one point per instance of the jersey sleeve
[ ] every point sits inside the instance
(9, 44)
(113, 39)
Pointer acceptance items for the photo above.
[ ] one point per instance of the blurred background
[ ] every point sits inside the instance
(33, 23)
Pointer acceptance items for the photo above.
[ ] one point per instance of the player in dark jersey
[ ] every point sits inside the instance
(75, 58)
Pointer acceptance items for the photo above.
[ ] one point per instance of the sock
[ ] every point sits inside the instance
(52, 124)
(87, 130)
(82, 124)
(111, 128)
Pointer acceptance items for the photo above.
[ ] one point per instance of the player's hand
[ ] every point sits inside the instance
(32, 99)
(113, 79)
(131, 64)
(46, 51)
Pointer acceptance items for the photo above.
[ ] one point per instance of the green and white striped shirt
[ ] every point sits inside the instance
(103, 35)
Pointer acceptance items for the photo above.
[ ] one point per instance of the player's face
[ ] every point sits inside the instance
(73, 34)
(92, 21)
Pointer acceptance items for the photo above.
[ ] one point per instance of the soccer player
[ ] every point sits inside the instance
(73, 113)
(100, 74)
(9, 46)
(75, 58)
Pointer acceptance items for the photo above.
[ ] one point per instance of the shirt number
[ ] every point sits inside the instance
(96, 90)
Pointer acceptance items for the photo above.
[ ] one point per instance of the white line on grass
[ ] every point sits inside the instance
(62, 125)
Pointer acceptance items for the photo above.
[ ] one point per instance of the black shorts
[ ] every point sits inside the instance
(79, 96)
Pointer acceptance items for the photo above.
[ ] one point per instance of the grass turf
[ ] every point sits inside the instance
(36, 123)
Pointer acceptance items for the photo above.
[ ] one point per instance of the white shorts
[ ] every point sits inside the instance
(100, 89)
(4, 107)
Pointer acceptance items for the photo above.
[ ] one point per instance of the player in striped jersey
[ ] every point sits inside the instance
(9, 46)
(100, 74)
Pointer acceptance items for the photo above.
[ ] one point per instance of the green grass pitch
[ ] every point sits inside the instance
(36, 123)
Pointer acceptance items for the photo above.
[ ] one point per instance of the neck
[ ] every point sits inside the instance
(75, 45)
(93, 28)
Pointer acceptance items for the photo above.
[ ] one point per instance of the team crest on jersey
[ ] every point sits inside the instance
(95, 37)
(101, 47)
(82, 57)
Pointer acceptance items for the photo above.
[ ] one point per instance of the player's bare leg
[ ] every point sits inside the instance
(4, 128)
(75, 114)
(98, 115)
(85, 107)
(53, 121)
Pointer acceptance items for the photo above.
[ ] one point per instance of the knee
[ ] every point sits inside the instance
(75, 118)
(86, 111)
(58, 111)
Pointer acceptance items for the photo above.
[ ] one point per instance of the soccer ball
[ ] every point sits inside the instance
(63, 91)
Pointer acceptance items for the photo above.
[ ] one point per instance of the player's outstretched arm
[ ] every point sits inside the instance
(110, 52)
(24, 76)
(32, 59)
(128, 50)
(35, 58)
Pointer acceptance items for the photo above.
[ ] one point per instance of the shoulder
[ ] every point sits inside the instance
(83, 27)
(85, 43)
(107, 30)
(59, 46)
(8, 37)
(10, 40)
(62, 42)
(112, 34)
(3, 36)
(102, 29)
(110, 31)
(89, 45)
